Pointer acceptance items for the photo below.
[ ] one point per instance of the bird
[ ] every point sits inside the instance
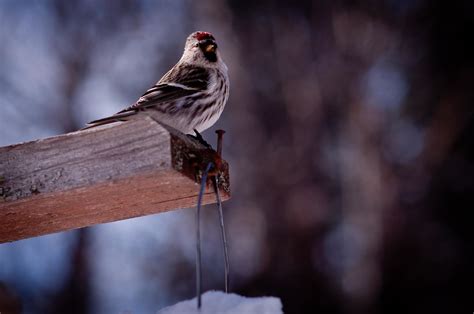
(190, 97)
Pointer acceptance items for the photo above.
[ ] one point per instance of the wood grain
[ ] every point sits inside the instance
(99, 175)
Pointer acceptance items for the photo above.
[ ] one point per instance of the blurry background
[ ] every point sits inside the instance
(349, 131)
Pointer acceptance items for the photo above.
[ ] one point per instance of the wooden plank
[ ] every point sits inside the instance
(99, 175)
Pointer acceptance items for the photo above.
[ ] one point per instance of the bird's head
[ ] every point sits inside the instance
(201, 48)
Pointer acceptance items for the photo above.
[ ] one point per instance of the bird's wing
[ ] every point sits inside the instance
(178, 83)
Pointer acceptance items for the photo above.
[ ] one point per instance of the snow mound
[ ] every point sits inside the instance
(217, 302)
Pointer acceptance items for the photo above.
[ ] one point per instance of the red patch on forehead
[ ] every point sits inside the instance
(204, 35)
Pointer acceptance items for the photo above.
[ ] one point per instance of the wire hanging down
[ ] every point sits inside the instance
(198, 235)
(220, 136)
(215, 183)
(224, 239)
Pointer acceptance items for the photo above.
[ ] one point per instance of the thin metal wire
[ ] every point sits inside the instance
(224, 239)
(198, 236)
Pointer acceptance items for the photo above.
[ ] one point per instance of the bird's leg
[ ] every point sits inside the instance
(198, 137)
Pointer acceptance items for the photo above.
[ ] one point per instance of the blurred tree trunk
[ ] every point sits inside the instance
(75, 296)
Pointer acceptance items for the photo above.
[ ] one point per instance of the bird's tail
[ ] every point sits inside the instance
(119, 117)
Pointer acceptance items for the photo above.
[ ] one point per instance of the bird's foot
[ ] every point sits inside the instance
(198, 137)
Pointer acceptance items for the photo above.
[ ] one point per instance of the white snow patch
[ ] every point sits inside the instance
(217, 302)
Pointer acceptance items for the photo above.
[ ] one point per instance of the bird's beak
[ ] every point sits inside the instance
(210, 48)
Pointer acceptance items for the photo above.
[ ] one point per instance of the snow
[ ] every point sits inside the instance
(217, 302)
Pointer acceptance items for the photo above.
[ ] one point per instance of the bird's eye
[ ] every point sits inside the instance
(196, 44)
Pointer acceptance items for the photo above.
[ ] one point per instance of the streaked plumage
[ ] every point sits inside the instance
(192, 95)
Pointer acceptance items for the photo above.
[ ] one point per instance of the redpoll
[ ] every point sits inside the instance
(191, 96)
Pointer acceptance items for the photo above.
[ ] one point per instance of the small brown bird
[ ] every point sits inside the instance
(191, 96)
